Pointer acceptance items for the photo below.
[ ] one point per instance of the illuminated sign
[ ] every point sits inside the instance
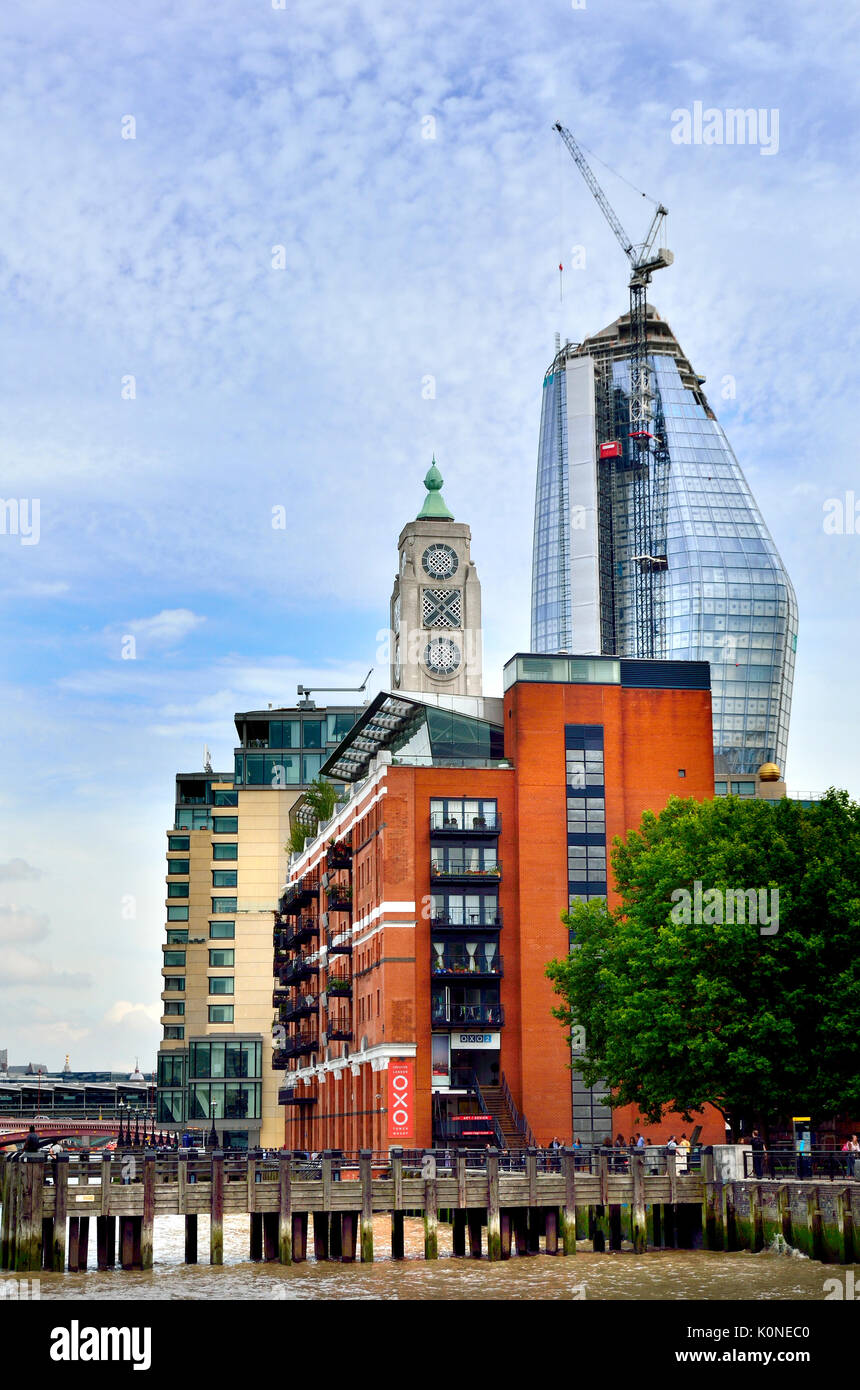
(401, 1093)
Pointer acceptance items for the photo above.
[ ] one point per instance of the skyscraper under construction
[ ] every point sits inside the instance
(669, 560)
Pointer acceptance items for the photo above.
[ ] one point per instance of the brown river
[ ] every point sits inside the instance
(661, 1275)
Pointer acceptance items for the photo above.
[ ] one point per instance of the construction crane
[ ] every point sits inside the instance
(648, 456)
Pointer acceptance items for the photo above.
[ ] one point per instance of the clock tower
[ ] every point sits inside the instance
(436, 603)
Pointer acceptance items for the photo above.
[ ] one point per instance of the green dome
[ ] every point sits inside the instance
(434, 508)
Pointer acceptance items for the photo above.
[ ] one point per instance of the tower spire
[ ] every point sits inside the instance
(434, 508)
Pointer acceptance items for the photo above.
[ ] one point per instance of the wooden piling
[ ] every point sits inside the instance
(5, 1197)
(321, 1235)
(335, 1236)
(398, 1244)
(551, 1228)
(458, 1232)
(756, 1226)
(285, 1208)
(614, 1226)
(270, 1235)
(365, 1172)
(105, 1242)
(216, 1208)
(493, 1230)
(474, 1224)
(521, 1230)
(505, 1225)
(147, 1224)
(347, 1237)
(74, 1238)
(398, 1247)
(255, 1236)
(638, 1221)
(28, 1252)
(83, 1242)
(61, 1203)
(431, 1220)
(569, 1210)
(300, 1237)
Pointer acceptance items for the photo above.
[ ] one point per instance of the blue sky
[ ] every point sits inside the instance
(405, 257)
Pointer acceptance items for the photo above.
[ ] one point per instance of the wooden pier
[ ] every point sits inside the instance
(49, 1203)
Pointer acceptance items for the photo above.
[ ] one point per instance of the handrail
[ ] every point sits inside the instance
(521, 1124)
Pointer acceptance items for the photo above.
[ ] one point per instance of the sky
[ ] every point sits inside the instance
(255, 257)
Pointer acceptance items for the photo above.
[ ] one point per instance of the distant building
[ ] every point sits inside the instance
(720, 590)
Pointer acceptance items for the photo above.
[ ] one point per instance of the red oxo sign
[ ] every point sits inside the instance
(401, 1093)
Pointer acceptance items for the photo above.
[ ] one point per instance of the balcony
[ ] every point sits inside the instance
(463, 870)
(456, 962)
(339, 857)
(339, 987)
(301, 1007)
(456, 918)
(340, 898)
(339, 1028)
(287, 1095)
(297, 896)
(286, 938)
(467, 1015)
(300, 1044)
(339, 943)
(301, 967)
(459, 824)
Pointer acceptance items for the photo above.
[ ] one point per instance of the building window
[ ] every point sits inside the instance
(221, 984)
(174, 958)
(180, 842)
(177, 866)
(174, 1032)
(338, 726)
(174, 983)
(177, 890)
(311, 764)
(682, 772)
(226, 799)
(227, 1058)
(224, 878)
(222, 906)
(284, 733)
(220, 1013)
(176, 937)
(312, 733)
(171, 1069)
(174, 1006)
(447, 813)
(221, 957)
(227, 850)
(222, 931)
(225, 825)
(177, 914)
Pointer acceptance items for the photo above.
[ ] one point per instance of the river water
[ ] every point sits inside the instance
(661, 1274)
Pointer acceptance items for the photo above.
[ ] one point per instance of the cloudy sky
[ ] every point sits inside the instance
(256, 257)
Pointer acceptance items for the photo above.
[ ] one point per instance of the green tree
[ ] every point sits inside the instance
(321, 800)
(679, 1013)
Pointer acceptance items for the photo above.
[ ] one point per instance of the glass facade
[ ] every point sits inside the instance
(724, 596)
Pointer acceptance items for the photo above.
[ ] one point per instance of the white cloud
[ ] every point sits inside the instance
(14, 869)
(22, 968)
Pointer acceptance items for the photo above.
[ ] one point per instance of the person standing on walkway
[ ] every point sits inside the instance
(758, 1152)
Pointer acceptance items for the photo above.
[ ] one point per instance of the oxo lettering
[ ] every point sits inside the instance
(400, 1112)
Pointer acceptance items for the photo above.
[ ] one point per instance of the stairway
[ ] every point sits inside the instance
(497, 1106)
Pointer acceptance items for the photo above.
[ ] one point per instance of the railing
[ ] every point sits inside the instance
(339, 899)
(520, 1123)
(301, 967)
(463, 917)
(830, 1164)
(339, 857)
(338, 987)
(303, 1007)
(457, 962)
(469, 1015)
(441, 871)
(296, 895)
(339, 1028)
(470, 824)
(338, 941)
(299, 1043)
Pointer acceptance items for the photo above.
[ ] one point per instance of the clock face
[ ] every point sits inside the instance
(440, 561)
(442, 656)
(442, 608)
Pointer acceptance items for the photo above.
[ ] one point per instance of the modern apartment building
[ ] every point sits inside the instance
(226, 859)
(720, 590)
(412, 935)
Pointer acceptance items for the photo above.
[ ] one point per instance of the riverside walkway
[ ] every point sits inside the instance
(495, 1207)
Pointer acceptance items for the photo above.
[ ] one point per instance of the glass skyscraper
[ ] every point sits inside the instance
(717, 588)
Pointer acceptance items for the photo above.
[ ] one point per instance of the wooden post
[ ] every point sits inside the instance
(536, 1228)
(335, 1236)
(182, 1184)
(431, 1220)
(783, 1201)
(251, 1179)
(74, 1236)
(147, 1225)
(473, 1220)
(852, 1234)
(568, 1211)
(813, 1223)
(837, 1233)
(61, 1202)
(531, 1174)
(365, 1170)
(28, 1252)
(614, 1226)
(505, 1234)
(347, 1237)
(321, 1235)
(83, 1242)
(521, 1230)
(216, 1208)
(270, 1235)
(639, 1232)
(255, 1236)
(460, 1162)
(756, 1229)
(300, 1237)
(551, 1227)
(397, 1239)
(326, 1169)
(285, 1208)
(493, 1228)
(126, 1242)
(458, 1231)
(709, 1203)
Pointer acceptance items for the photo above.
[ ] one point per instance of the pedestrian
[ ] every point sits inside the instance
(758, 1151)
(31, 1143)
(640, 1141)
(671, 1144)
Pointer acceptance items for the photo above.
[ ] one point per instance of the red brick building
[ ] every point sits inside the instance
(412, 939)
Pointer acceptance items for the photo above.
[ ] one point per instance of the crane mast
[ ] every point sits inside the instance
(646, 456)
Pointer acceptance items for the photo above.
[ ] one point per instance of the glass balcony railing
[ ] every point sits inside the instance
(489, 916)
(459, 961)
(465, 822)
(473, 870)
(467, 1015)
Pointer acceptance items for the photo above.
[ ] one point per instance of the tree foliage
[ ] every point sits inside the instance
(679, 1014)
(320, 799)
